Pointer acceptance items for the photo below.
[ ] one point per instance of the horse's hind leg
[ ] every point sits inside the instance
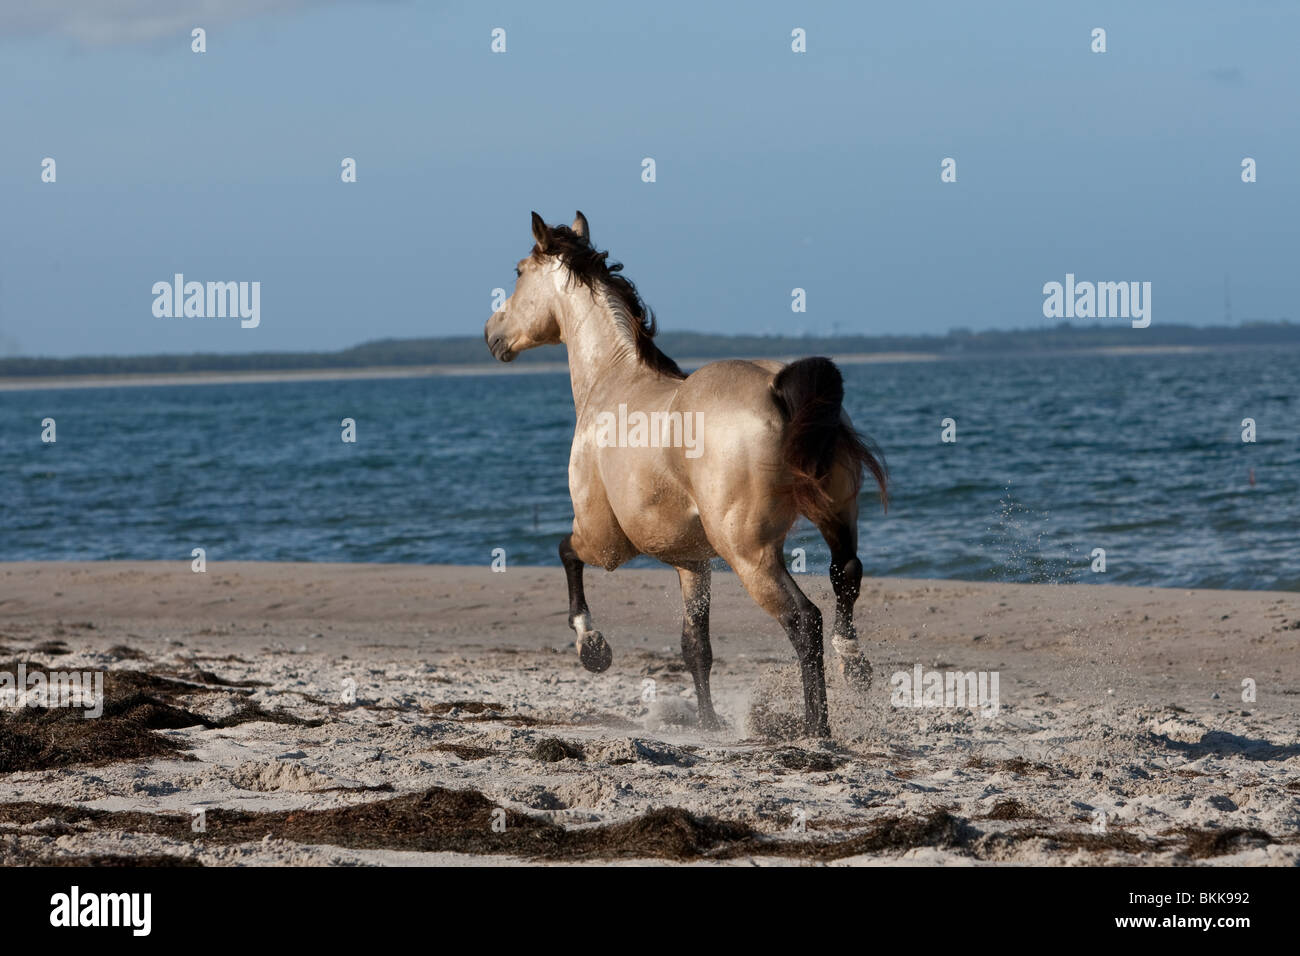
(769, 583)
(841, 534)
(592, 647)
(696, 651)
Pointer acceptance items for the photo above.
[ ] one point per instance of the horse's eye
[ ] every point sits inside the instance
(518, 274)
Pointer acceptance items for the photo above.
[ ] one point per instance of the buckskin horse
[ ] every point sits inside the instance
(773, 443)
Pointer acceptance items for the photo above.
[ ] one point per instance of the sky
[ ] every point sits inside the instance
(775, 170)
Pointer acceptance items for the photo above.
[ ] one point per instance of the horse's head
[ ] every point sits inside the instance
(530, 316)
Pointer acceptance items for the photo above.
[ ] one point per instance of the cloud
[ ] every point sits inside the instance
(112, 22)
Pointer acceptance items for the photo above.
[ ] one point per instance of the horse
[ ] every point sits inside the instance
(771, 442)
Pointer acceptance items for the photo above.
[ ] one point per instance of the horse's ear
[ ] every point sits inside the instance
(541, 232)
(580, 227)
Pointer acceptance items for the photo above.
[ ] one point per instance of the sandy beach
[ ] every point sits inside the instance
(19, 383)
(332, 713)
(23, 383)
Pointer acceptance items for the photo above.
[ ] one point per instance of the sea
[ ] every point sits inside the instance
(1060, 466)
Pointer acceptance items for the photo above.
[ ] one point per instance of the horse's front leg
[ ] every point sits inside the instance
(593, 650)
(696, 650)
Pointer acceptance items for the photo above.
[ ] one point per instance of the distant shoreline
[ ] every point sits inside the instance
(139, 379)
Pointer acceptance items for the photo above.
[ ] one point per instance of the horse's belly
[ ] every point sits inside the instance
(658, 516)
(669, 534)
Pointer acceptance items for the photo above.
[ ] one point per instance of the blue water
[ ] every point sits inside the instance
(1139, 455)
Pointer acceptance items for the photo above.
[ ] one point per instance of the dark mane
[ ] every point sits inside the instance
(590, 268)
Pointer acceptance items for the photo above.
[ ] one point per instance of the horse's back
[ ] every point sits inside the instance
(740, 382)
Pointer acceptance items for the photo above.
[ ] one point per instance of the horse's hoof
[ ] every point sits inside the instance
(595, 653)
(856, 672)
(710, 721)
(819, 730)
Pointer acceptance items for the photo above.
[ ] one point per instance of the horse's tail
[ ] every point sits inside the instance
(810, 394)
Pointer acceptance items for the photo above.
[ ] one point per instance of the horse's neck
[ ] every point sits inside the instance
(601, 345)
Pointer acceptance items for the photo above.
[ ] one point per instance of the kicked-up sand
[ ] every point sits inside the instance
(342, 714)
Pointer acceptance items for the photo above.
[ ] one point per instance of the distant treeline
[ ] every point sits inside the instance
(466, 349)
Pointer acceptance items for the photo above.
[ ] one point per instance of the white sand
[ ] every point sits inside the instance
(1107, 694)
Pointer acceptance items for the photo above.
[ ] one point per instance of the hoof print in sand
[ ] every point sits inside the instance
(553, 750)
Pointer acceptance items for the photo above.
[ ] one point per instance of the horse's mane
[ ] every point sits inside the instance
(590, 268)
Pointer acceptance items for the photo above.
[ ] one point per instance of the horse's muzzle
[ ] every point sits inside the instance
(496, 343)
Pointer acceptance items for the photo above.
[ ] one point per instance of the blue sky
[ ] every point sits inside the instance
(775, 170)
